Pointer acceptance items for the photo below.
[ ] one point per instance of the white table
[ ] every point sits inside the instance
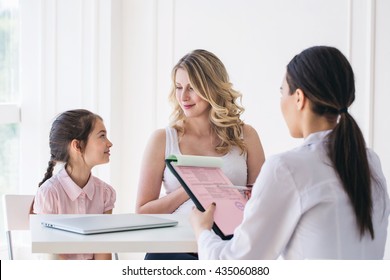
(179, 238)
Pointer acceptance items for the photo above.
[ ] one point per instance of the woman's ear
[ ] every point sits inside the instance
(300, 99)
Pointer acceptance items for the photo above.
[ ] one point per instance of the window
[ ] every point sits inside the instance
(9, 54)
(9, 98)
(9, 157)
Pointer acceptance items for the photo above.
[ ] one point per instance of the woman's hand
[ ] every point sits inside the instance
(202, 220)
(248, 192)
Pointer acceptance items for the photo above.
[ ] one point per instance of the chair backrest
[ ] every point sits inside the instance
(16, 215)
(17, 211)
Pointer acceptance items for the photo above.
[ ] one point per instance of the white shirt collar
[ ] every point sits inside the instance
(316, 137)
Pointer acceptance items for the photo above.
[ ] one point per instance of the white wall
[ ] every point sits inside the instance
(255, 40)
(115, 57)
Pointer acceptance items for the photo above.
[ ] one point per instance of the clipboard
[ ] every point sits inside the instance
(204, 181)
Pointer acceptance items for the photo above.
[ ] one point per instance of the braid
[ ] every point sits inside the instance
(49, 172)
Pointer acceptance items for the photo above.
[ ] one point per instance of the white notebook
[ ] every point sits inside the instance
(92, 224)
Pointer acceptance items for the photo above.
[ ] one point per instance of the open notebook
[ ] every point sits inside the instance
(92, 224)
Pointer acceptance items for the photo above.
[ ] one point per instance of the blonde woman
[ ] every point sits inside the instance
(205, 121)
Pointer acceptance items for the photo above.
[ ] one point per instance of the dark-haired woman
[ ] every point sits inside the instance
(326, 199)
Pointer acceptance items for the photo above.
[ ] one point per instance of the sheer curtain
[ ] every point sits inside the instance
(9, 103)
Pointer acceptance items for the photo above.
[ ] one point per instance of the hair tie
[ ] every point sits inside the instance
(343, 110)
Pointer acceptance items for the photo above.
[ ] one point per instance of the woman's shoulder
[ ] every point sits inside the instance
(252, 140)
(372, 155)
(158, 135)
(290, 158)
(249, 131)
(247, 127)
(375, 162)
(163, 135)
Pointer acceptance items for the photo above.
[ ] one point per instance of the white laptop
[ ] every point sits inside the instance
(91, 224)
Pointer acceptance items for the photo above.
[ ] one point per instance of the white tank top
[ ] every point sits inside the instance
(234, 166)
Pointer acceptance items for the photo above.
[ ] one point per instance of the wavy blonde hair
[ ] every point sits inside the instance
(210, 80)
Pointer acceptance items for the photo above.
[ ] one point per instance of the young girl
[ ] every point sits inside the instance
(326, 199)
(78, 138)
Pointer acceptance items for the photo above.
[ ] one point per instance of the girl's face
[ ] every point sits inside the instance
(98, 146)
(289, 109)
(190, 102)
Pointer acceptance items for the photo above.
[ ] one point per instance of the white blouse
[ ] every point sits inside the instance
(299, 210)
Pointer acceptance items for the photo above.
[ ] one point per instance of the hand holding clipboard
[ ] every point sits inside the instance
(205, 182)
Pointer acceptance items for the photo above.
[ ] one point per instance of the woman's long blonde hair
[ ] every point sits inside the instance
(210, 80)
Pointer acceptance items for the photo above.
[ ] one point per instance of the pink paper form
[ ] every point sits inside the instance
(208, 184)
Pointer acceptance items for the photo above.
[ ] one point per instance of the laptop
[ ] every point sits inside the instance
(105, 223)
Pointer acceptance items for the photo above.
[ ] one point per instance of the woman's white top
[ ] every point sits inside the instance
(234, 166)
(299, 210)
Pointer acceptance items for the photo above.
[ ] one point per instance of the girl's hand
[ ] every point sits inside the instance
(202, 220)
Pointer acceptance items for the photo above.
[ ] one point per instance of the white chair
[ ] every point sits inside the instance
(16, 215)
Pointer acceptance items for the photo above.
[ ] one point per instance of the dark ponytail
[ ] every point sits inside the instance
(347, 150)
(327, 80)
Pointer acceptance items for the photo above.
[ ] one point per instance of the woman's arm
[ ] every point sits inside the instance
(270, 218)
(255, 157)
(102, 256)
(150, 181)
